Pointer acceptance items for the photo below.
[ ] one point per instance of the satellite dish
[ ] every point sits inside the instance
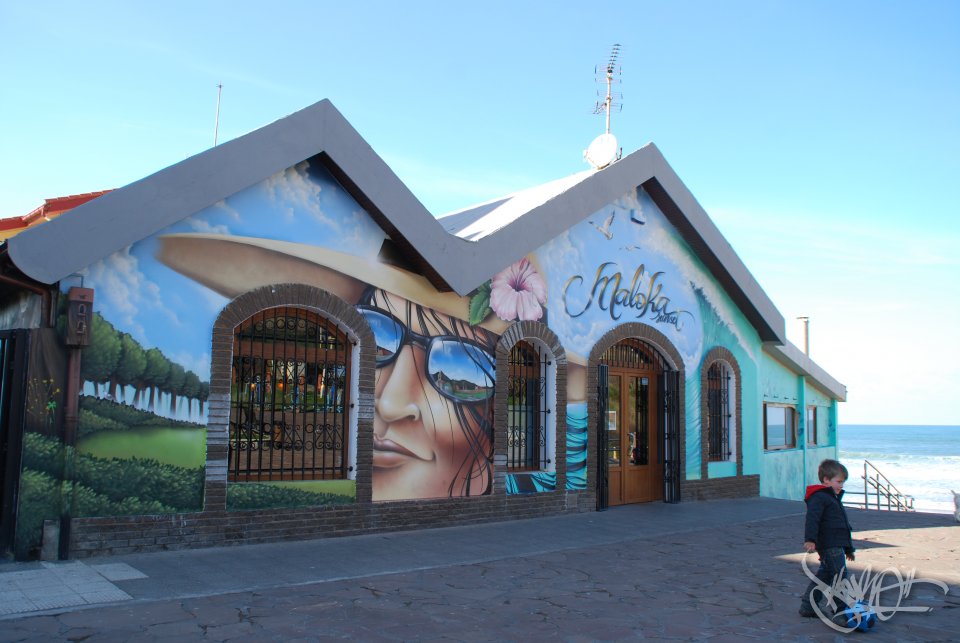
(602, 151)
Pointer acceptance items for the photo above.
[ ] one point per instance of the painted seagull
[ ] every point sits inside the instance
(605, 229)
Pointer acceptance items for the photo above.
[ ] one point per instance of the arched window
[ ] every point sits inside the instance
(720, 394)
(289, 398)
(527, 442)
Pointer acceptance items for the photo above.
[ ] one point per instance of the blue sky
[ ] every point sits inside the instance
(821, 137)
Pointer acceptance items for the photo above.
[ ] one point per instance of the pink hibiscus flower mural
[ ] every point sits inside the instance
(518, 292)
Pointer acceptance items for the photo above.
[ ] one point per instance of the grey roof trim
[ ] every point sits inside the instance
(646, 167)
(124, 216)
(59, 248)
(798, 361)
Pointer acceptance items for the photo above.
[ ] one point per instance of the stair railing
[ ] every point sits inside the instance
(878, 492)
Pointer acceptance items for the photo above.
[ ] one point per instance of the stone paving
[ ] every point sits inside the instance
(711, 571)
(68, 584)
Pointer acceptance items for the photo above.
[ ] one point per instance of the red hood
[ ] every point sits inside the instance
(813, 488)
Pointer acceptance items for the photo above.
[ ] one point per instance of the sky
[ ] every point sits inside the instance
(821, 137)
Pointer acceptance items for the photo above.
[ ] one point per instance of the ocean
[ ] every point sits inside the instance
(920, 461)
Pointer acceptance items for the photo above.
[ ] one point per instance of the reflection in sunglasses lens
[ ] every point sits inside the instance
(462, 371)
(387, 332)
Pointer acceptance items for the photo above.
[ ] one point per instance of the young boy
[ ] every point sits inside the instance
(827, 529)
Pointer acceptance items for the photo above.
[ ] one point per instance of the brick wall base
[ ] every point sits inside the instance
(129, 534)
(719, 488)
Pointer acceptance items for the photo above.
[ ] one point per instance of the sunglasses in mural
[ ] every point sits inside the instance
(459, 369)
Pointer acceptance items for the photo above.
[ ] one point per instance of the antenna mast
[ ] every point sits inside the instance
(216, 123)
(604, 149)
(612, 99)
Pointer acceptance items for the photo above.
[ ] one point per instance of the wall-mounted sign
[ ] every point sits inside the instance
(79, 316)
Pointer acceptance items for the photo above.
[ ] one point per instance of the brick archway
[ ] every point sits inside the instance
(245, 306)
(721, 354)
(670, 355)
(546, 339)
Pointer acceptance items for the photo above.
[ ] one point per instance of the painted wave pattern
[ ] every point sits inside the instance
(576, 459)
(531, 482)
(577, 446)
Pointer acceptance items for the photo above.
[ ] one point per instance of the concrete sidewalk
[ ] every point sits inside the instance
(694, 571)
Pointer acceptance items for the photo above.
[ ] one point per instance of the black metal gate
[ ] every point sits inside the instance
(14, 349)
(603, 474)
(669, 382)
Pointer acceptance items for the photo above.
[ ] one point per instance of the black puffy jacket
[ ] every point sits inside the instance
(827, 523)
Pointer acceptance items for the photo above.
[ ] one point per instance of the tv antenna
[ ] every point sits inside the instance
(604, 149)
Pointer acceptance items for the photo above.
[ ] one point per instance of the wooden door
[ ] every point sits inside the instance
(633, 456)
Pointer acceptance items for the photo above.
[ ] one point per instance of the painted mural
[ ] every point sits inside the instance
(157, 301)
(126, 460)
(624, 263)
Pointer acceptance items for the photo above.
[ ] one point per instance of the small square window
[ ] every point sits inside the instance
(779, 427)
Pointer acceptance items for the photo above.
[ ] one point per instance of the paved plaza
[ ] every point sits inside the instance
(726, 570)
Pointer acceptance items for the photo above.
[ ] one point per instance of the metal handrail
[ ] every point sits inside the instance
(879, 491)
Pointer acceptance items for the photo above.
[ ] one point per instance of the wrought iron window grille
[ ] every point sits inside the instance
(289, 399)
(718, 412)
(527, 409)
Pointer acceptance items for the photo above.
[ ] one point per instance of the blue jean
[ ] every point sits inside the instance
(833, 562)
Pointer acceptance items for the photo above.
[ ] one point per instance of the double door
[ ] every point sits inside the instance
(634, 461)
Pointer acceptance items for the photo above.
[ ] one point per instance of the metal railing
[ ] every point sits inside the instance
(878, 493)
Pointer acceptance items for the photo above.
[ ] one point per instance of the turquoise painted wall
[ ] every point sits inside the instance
(782, 473)
(826, 446)
(814, 457)
(778, 383)
(785, 473)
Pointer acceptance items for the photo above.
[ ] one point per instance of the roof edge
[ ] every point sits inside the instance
(104, 225)
(797, 360)
(183, 188)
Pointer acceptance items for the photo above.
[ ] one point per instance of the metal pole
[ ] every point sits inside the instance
(216, 124)
(609, 100)
(806, 335)
(70, 421)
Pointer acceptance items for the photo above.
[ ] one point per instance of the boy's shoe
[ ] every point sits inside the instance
(806, 612)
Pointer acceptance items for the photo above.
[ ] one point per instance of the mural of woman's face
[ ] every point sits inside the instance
(433, 402)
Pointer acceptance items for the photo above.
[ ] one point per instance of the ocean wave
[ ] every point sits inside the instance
(875, 456)
(929, 480)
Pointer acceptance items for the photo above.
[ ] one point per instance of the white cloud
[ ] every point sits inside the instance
(126, 290)
(199, 223)
(293, 191)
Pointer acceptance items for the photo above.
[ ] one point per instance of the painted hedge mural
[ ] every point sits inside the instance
(131, 457)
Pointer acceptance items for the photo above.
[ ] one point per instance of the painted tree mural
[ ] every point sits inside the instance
(114, 361)
(155, 373)
(130, 365)
(100, 358)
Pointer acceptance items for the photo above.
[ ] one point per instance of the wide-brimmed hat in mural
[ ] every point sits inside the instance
(232, 265)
